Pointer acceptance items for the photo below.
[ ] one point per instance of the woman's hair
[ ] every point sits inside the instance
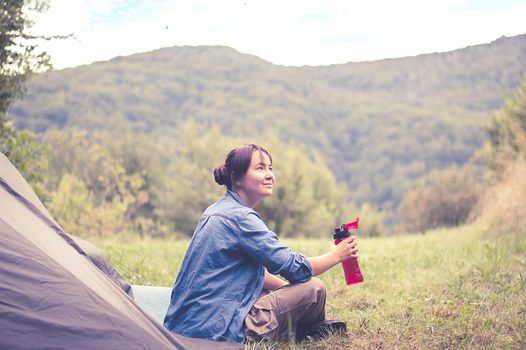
(236, 164)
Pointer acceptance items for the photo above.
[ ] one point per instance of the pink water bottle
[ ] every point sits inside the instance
(351, 268)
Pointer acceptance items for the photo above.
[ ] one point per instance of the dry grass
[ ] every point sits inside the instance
(503, 207)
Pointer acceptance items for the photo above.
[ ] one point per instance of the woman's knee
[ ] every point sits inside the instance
(318, 287)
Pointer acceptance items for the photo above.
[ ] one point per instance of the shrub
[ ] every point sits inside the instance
(446, 200)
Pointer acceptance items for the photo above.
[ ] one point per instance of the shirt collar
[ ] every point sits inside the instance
(235, 196)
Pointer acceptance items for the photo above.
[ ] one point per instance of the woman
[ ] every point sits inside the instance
(226, 289)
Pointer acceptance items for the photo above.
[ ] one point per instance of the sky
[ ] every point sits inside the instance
(284, 32)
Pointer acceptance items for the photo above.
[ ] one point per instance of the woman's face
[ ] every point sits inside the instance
(258, 181)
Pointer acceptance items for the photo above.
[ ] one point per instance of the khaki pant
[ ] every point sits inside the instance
(276, 312)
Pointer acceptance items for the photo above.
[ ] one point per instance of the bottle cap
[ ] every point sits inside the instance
(340, 233)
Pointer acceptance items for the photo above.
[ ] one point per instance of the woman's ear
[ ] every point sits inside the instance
(233, 180)
(237, 181)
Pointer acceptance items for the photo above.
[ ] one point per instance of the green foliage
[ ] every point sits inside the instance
(145, 161)
(307, 200)
(190, 187)
(27, 153)
(502, 207)
(72, 205)
(372, 222)
(507, 133)
(19, 56)
(131, 184)
(114, 194)
(381, 127)
(446, 200)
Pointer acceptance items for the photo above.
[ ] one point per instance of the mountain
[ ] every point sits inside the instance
(381, 125)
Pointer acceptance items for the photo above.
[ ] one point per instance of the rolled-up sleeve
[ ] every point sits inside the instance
(263, 245)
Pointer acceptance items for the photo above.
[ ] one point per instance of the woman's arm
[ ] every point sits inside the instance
(344, 250)
(272, 282)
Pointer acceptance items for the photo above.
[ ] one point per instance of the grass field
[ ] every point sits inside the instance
(447, 289)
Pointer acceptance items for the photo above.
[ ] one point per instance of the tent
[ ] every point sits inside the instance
(60, 292)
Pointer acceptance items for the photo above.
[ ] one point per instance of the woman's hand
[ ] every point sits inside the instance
(346, 249)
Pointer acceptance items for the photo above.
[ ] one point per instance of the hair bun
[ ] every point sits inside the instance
(220, 174)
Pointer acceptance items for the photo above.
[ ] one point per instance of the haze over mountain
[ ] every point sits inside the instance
(382, 125)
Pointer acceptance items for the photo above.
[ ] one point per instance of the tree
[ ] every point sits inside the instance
(307, 200)
(19, 57)
(143, 159)
(19, 54)
(507, 133)
(371, 221)
(72, 206)
(114, 194)
(27, 154)
(189, 186)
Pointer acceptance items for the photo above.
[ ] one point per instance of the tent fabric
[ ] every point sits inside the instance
(98, 258)
(53, 295)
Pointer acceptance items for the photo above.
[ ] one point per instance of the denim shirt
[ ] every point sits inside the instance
(223, 271)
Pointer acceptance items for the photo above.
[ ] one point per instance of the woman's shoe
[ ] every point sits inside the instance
(320, 330)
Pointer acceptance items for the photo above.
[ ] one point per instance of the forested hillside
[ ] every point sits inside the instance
(381, 126)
